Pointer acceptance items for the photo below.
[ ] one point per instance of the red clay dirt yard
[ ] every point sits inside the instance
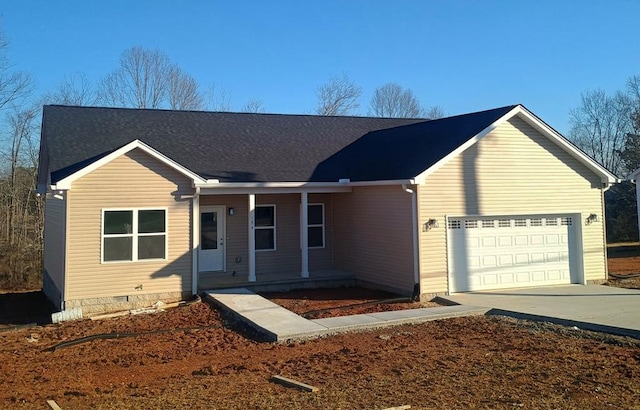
(214, 362)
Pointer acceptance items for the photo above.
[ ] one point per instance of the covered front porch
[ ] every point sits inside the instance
(265, 237)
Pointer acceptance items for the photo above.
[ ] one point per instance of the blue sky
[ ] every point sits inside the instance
(461, 55)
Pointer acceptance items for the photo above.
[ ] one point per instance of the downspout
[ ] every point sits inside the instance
(414, 221)
(195, 229)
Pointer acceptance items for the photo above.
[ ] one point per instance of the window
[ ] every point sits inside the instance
(265, 229)
(536, 222)
(315, 225)
(504, 223)
(521, 222)
(453, 224)
(133, 235)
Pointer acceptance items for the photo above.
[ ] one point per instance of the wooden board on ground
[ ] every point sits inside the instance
(293, 383)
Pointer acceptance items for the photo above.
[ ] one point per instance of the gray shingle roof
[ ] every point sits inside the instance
(245, 147)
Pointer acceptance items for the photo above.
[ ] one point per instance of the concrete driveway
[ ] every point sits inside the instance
(592, 307)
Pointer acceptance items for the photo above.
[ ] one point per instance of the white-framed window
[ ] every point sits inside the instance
(136, 234)
(315, 225)
(265, 228)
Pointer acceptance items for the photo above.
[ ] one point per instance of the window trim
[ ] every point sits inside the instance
(324, 238)
(275, 223)
(134, 235)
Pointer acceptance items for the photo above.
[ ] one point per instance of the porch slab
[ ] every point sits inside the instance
(278, 323)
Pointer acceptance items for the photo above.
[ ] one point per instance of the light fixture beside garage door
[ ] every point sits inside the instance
(430, 224)
(591, 219)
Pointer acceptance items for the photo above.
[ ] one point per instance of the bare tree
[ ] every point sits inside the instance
(434, 112)
(22, 172)
(140, 81)
(20, 216)
(392, 100)
(253, 105)
(182, 91)
(340, 96)
(74, 89)
(600, 125)
(633, 90)
(14, 85)
(218, 99)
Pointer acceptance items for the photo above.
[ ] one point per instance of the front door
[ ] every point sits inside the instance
(211, 251)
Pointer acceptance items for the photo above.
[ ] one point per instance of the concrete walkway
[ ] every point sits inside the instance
(592, 307)
(279, 324)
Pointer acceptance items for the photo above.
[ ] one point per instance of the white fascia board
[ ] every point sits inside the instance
(383, 182)
(222, 189)
(606, 176)
(66, 182)
(214, 183)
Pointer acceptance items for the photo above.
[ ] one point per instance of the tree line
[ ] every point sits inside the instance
(607, 127)
(147, 78)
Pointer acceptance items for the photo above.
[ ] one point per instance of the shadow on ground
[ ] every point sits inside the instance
(20, 308)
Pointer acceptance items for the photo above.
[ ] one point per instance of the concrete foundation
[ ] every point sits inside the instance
(116, 303)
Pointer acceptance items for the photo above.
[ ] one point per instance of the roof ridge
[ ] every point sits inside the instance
(276, 114)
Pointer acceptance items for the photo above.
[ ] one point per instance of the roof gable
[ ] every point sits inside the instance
(518, 110)
(406, 151)
(85, 167)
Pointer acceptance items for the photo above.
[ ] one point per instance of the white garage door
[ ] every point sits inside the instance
(507, 252)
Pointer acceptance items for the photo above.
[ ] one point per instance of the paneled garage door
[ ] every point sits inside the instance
(506, 252)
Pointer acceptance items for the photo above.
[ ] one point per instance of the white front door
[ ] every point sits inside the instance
(212, 226)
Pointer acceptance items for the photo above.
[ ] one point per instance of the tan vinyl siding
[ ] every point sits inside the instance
(131, 181)
(54, 248)
(287, 257)
(373, 235)
(322, 258)
(513, 170)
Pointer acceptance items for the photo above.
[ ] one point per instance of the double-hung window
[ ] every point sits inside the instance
(265, 228)
(134, 234)
(315, 225)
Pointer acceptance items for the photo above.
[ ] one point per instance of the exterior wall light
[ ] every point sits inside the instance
(232, 211)
(591, 219)
(430, 224)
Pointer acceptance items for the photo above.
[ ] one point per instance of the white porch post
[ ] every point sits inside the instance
(304, 232)
(252, 238)
(195, 231)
